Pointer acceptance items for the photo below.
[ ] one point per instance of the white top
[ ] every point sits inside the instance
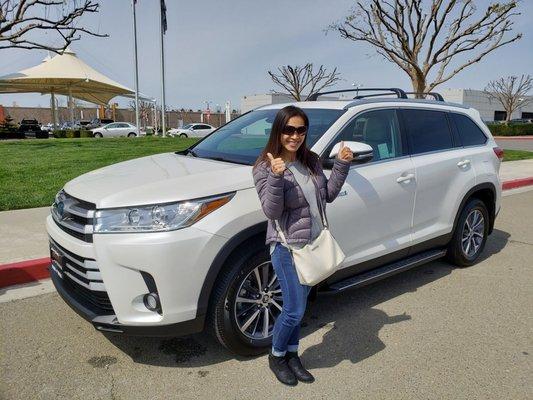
(303, 178)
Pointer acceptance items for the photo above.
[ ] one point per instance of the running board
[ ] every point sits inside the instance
(385, 271)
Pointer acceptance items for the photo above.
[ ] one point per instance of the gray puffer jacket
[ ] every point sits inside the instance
(282, 198)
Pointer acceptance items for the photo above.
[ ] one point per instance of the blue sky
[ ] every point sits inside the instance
(222, 50)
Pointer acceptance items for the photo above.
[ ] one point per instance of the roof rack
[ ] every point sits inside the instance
(436, 95)
(398, 92)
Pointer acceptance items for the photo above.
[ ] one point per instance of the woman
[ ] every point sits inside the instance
(287, 175)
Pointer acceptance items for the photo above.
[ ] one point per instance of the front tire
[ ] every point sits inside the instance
(183, 135)
(246, 302)
(98, 135)
(470, 235)
(131, 134)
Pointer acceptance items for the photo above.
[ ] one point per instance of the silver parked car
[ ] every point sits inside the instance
(116, 129)
(192, 130)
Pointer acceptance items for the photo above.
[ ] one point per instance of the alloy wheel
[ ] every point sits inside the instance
(473, 231)
(258, 302)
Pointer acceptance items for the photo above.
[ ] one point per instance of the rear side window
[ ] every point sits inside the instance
(468, 130)
(427, 130)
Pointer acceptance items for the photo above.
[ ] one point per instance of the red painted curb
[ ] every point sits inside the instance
(24, 271)
(515, 183)
(33, 270)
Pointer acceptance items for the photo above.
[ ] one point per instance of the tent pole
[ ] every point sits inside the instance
(53, 107)
(71, 109)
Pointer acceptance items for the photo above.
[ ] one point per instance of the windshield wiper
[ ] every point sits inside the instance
(192, 152)
(227, 160)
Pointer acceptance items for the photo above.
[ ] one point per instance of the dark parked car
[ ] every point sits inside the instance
(31, 128)
(522, 121)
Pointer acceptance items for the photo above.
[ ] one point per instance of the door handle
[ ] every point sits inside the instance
(405, 178)
(462, 163)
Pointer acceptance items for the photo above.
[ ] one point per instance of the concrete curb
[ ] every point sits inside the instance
(529, 137)
(34, 270)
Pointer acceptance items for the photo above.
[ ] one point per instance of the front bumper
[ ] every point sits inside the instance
(108, 278)
(109, 323)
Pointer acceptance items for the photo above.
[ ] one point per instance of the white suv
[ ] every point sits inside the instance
(169, 244)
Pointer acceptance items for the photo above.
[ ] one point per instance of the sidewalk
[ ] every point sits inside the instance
(25, 236)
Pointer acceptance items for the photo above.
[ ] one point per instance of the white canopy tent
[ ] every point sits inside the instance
(67, 75)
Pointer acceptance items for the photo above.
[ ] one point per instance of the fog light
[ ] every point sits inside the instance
(151, 301)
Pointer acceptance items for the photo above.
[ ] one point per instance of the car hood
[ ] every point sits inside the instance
(160, 178)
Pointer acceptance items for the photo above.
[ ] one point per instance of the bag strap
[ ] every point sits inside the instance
(320, 210)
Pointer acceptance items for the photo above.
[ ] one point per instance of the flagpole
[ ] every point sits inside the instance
(137, 122)
(163, 29)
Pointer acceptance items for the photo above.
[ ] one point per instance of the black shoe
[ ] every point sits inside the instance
(297, 368)
(279, 366)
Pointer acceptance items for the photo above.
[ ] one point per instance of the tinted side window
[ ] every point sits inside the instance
(427, 130)
(468, 130)
(379, 129)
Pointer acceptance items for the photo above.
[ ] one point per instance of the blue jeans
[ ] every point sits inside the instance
(286, 334)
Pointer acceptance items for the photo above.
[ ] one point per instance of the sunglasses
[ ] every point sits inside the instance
(291, 130)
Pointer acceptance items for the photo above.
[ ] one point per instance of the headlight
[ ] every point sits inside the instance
(157, 217)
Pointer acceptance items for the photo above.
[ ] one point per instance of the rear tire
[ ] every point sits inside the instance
(228, 315)
(470, 235)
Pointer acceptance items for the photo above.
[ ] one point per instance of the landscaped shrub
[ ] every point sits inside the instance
(511, 129)
(60, 133)
(70, 134)
(86, 134)
(9, 130)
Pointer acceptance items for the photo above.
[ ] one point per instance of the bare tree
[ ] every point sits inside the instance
(145, 108)
(298, 80)
(511, 92)
(422, 36)
(22, 22)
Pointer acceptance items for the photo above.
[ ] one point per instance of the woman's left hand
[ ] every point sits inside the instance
(345, 153)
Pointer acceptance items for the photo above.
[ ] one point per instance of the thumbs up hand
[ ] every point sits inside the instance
(277, 164)
(345, 153)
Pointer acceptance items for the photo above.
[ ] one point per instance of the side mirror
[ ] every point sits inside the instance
(362, 152)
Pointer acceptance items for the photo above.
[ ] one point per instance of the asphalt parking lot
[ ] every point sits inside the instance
(434, 332)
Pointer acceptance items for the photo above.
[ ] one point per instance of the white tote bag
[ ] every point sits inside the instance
(316, 260)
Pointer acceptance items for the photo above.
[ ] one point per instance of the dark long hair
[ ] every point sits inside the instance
(274, 146)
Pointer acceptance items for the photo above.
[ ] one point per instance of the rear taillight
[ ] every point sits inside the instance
(499, 152)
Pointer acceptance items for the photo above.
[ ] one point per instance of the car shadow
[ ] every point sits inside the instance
(351, 318)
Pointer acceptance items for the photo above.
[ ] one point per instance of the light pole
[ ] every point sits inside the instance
(136, 68)
(357, 86)
(208, 113)
(218, 109)
(163, 105)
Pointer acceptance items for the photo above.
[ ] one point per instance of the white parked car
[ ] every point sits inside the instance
(192, 130)
(173, 243)
(116, 129)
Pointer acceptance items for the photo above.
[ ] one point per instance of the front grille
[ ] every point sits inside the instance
(81, 278)
(74, 216)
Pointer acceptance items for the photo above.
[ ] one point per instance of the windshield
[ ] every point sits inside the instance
(187, 126)
(243, 139)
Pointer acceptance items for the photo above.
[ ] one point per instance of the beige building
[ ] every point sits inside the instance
(490, 109)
